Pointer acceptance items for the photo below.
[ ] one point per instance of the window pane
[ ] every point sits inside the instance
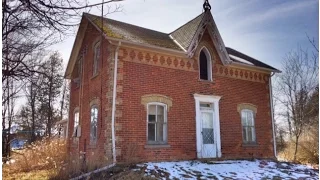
(253, 134)
(160, 132)
(203, 66)
(93, 123)
(250, 118)
(244, 134)
(76, 119)
(160, 114)
(151, 132)
(244, 118)
(165, 132)
(249, 134)
(207, 136)
(152, 113)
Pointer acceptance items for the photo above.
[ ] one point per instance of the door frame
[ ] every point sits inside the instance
(216, 123)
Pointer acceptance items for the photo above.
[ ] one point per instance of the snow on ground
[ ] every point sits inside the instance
(258, 169)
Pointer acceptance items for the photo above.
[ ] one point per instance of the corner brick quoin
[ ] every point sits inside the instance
(156, 98)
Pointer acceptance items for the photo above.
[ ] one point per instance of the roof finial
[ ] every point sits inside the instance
(206, 5)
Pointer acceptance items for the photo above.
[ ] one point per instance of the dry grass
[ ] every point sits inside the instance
(308, 150)
(40, 160)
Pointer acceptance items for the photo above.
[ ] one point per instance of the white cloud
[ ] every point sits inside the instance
(282, 10)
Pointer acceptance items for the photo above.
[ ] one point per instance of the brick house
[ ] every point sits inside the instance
(141, 94)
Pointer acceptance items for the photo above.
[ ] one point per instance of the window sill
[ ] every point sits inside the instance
(253, 144)
(155, 146)
(206, 81)
(93, 76)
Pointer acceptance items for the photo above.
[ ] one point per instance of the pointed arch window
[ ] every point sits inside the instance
(205, 66)
(96, 58)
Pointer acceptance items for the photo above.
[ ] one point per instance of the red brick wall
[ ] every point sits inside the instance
(93, 88)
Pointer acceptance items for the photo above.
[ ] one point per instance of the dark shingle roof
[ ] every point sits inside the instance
(248, 58)
(129, 32)
(184, 34)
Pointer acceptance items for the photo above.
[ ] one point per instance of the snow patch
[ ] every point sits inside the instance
(240, 59)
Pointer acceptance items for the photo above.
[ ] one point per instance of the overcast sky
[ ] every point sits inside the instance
(265, 30)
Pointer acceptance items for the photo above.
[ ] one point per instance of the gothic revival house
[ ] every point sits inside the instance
(140, 94)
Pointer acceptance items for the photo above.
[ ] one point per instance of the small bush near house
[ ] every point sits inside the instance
(39, 160)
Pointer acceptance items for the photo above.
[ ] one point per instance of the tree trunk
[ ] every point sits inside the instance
(296, 149)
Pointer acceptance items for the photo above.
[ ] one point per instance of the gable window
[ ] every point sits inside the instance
(157, 123)
(93, 124)
(76, 122)
(205, 69)
(248, 127)
(96, 58)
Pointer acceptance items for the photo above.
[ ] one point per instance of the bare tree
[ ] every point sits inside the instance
(29, 26)
(295, 86)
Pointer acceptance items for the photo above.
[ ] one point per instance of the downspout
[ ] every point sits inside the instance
(114, 94)
(272, 116)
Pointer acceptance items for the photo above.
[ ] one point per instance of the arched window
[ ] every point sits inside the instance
(94, 124)
(157, 123)
(96, 58)
(75, 122)
(205, 67)
(248, 127)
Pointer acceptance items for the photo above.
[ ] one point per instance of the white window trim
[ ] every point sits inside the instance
(215, 101)
(254, 126)
(165, 120)
(209, 63)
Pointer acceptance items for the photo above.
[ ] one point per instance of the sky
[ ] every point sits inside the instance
(265, 30)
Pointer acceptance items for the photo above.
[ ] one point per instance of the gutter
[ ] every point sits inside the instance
(272, 117)
(114, 94)
(256, 67)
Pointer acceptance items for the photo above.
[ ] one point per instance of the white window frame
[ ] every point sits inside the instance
(209, 63)
(164, 120)
(254, 127)
(96, 58)
(96, 136)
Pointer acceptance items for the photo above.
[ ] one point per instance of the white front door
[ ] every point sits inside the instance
(207, 133)
(207, 126)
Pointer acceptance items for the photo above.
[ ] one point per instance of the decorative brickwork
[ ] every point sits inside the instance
(186, 64)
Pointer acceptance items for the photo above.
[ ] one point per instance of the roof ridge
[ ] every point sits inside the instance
(126, 23)
(186, 23)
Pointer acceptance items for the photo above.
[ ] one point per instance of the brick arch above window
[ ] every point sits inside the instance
(96, 42)
(76, 109)
(145, 99)
(94, 102)
(249, 106)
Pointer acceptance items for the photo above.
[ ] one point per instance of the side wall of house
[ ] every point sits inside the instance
(93, 90)
(144, 72)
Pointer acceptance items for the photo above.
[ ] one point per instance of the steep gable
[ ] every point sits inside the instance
(184, 34)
